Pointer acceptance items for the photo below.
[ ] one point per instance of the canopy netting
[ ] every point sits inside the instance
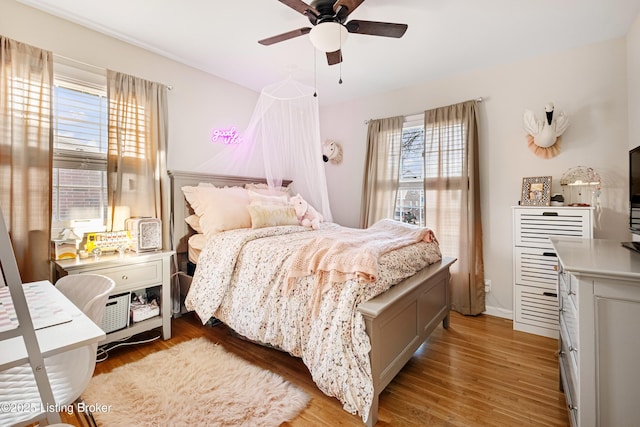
(282, 141)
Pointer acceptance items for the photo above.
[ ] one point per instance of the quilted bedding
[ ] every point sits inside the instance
(241, 279)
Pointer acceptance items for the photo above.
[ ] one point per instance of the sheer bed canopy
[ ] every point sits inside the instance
(282, 141)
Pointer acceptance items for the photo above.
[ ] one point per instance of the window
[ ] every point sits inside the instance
(410, 199)
(79, 184)
(428, 159)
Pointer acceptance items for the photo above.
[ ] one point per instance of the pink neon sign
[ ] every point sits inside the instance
(226, 136)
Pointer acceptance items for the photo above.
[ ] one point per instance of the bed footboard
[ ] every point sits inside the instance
(401, 319)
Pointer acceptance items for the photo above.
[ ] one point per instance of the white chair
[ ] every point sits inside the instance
(70, 372)
(89, 292)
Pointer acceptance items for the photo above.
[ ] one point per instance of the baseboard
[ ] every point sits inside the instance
(499, 312)
(536, 330)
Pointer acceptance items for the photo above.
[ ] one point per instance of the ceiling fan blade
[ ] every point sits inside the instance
(299, 6)
(285, 36)
(344, 8)
(373, 28)
(334, 58)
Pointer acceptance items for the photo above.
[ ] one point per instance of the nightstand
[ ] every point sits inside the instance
(132, 272)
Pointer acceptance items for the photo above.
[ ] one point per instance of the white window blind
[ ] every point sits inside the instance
(132, 124)
(80, 148)
(431, 176)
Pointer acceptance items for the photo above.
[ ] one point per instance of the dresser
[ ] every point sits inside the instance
(132, 272)
(535, 277)
(599, 346)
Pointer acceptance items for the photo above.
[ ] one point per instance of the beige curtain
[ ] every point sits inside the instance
(26, 138)
(137, 146)
(382, 170)
(452, 133)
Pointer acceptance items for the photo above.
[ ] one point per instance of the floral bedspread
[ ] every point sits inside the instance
(240, 279)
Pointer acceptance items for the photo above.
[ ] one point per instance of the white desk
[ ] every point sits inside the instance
(80, 331)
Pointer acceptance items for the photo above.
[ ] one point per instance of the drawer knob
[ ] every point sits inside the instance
(561, 353)
(571, 293)
(125, 277)
(572, 348)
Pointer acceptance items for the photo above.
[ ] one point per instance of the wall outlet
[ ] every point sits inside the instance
(487, 286)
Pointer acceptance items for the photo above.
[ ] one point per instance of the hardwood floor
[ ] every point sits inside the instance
(479, 372)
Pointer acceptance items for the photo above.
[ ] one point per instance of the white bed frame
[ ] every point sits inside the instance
(397, 322)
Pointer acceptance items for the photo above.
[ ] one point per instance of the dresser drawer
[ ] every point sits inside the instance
(537, 307)
(536, 267)
(535, 226)
(568, 285)
(569, 321)
(573, 289)
(134, 276)
(569, 382)
(563, 280)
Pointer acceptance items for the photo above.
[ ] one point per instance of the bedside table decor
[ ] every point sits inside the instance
(146, 233)
(536, 191)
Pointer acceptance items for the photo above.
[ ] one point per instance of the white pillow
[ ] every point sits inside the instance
(263, 199)
(272, 215)
(265, 189)
(219, 209)
(194, 222)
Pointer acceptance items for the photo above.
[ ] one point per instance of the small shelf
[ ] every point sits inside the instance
(133, 329)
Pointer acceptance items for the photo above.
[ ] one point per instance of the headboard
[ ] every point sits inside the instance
(180, 209)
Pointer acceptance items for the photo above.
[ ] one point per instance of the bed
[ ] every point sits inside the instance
(382, 331)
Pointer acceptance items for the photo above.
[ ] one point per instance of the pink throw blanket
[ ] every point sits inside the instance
(336, 257)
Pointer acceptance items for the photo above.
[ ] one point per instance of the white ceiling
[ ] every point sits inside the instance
(445, 37)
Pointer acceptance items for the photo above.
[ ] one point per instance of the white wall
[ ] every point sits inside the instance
(198, 102)
(588, 83)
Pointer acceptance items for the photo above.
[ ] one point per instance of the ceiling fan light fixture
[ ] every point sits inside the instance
(328, 36)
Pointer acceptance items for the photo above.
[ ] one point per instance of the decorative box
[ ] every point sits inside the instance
(140, 312)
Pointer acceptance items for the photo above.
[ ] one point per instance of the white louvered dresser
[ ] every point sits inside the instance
(535, 276)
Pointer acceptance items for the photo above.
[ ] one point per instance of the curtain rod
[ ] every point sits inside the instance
(84, 64)
(366, 122)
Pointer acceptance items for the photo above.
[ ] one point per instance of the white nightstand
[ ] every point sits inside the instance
(131, 272)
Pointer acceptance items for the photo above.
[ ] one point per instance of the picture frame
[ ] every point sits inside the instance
(536, 191)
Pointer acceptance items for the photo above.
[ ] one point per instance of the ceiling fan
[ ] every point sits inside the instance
(330, 28)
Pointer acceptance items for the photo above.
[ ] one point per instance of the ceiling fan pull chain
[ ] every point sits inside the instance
(315, 73)
(340, 38)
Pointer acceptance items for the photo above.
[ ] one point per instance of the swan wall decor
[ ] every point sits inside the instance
(543, 136)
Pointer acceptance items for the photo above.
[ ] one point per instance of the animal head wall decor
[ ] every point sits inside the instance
(544, 135)
(331, 151)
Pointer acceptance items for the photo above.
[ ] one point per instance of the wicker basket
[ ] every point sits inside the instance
(116, 315)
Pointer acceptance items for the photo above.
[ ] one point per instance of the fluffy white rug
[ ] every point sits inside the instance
(195, 383)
